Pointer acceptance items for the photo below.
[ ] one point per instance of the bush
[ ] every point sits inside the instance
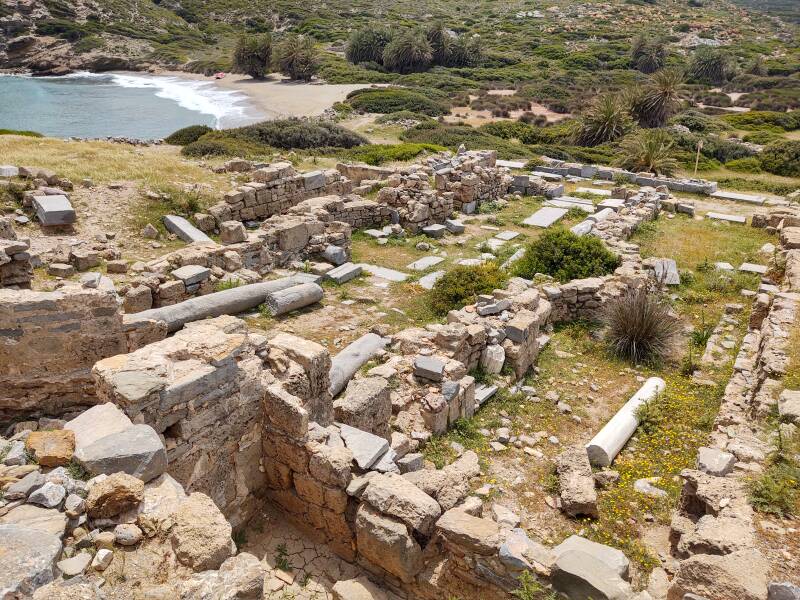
(291, 134)
(408, 51)
(378, 154)
(606, 121)
(297, 58)
(640, 326)
(367, 45)
(764, 120)
(777, 490)
(23, 132)
(389, 100)
(745, 165)
(202, 148)
(187, 135)
(762, 137)
(252, 55)
(462, 284)
(565, 256)
(649, 150)
(782, 158)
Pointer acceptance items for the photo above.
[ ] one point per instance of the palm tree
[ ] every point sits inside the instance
(757, 67)
(711, 65)
(252, 55)
(409, 51)
(607, 120)
(367, 45)
(297, 57)
(648, 150)
(661, 98)
(648, 56)
(440, 41)
(465, 51)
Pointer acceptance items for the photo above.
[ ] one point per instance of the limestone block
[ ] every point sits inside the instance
(715, 462)
(232, 232)
(54, 210)
(576, 483)
(29, 559)
(201, 537)
(366, 405)
(51, 448)
(394, 495)
(97, 422)
(481, 536)
(386, 542)
(112, 495)
(137, 451)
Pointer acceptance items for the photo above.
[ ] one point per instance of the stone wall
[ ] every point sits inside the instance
(472, 178)
(15, 260)
(48, 344)
(282, 241)
(274, 190)
(353, 210)
(359, 172)
(416, 203)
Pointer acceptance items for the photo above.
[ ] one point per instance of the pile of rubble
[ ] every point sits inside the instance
(15, 260)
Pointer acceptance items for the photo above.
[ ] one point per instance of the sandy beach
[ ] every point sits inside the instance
(277, 97)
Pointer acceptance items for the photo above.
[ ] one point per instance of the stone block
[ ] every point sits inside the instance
(185, 230)
(365, 405)
(54, 210)
(232, 232)
(481, 536)
(137, 451)
(366, 447)
(314, 180)
(51, 448)
(191, 274)
(715, 462)
(428, 367)
(386, 541)
(614, 560)
(576, 483)
(98, 422)
(428, 281)
(454, 226)
(397, 497)
(424, 263)
(29, 560)
(434, 231)
(789, 406)
(344, 273)
(335, 255)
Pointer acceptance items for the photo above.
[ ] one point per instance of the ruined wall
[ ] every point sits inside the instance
(201, 389)
(281, 241)
(15, 261)
(48, 344)
(273, 191)
(416, 203)
(360, 172)
(353, 210)
(472, 179)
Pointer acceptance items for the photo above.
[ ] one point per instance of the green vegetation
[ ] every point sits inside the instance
(252, 55)
(565, 256)
(782, 158)
(187, 135)
(378, 154)
(462, 284)
(390, 100)
(649, 150)
(297, 57)
(20, 132)
(640, 327)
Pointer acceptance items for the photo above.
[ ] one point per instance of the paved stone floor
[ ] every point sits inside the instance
(314, 568)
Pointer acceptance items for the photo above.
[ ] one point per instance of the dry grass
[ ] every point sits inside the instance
(106, 162)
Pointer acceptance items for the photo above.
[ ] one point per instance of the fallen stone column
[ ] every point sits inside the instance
(285, 301)
(345, 364)
(226, 302)
(605, 446)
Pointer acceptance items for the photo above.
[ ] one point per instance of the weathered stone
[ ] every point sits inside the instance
(50, 495)
(493, 358)
(581, 576)
(19, 490)
(28, 560)
(366, 447)
(136, 450)
(191, 274)
(783, 591)
(397, 497)
(614, 559)
(54, 210)
(102, 559)
(51, 448)
(741, 575)
(127, 534)
(428, 367)
(481, 536)
(70, 567)
(74, 506)
(46, 520)
(201, 537)
(576, 483)
(185, 230)
(715, 462)
(789, 406)
(365, 405)
(112, 495)
(344, 273)
(357, 589)
(232, 232)
(385, 541)
(96, 423)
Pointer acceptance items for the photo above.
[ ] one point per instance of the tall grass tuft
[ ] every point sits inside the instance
(640, 326)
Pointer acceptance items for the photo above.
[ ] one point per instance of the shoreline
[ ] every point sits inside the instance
(277, 97)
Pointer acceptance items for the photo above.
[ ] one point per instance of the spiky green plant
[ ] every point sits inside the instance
(367, 45)
(408, 52)
(252, 55)
(711, 65)
(297, 57)
(607, 120)
(648, 150)
(648, 56)
(661, 98)
(640, 327)
(440, 40)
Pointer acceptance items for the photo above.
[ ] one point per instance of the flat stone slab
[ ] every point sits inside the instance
(511, 164)
(494, 244)
(455, 226)
(344, 273)
(428, 367)
(137, 451)
(483, 393)
(666, 270)
(434, 231)
(585, 190)
(562, 203)
(544, 217)
(29, 560)
(366, 447)
(185, 230)
(191, 274)
(614, 204)
(614, 559)
(739, 197)
(726, 217)
(428, 281)
(383, 272)
(376, 233)
(753, 268)
(54, 210)
(424, 263)
(582, 228)
(506, 236)
(9, 171)
(470, 262)
(724, 266)
(547, 176)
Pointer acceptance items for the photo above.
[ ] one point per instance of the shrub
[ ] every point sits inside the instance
(782, 158)
(640, 326)
(745, 165)
(648, 56)
(187, 135)
(23, 132)
(565, 256)
(367, 45)
(764, 120)
(777, 490)
(462, 284)
(252, 55)
(711, 65)
(201, 148)
(389, 100)
(407, 52)
(762, 137)
(291, 134)
(606, 121)
(297, 58)
(648, 150)
(378, 154)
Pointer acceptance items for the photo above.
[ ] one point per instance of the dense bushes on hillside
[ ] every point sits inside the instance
(782, 158)
(565, 256)
(187, 135)
(765, 120)
(389, 100)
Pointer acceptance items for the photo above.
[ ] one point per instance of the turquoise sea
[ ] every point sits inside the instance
(134, 105)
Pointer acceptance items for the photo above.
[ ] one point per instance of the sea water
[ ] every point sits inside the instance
(90, 105)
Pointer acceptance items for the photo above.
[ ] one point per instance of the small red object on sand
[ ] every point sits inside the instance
(219, 75)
